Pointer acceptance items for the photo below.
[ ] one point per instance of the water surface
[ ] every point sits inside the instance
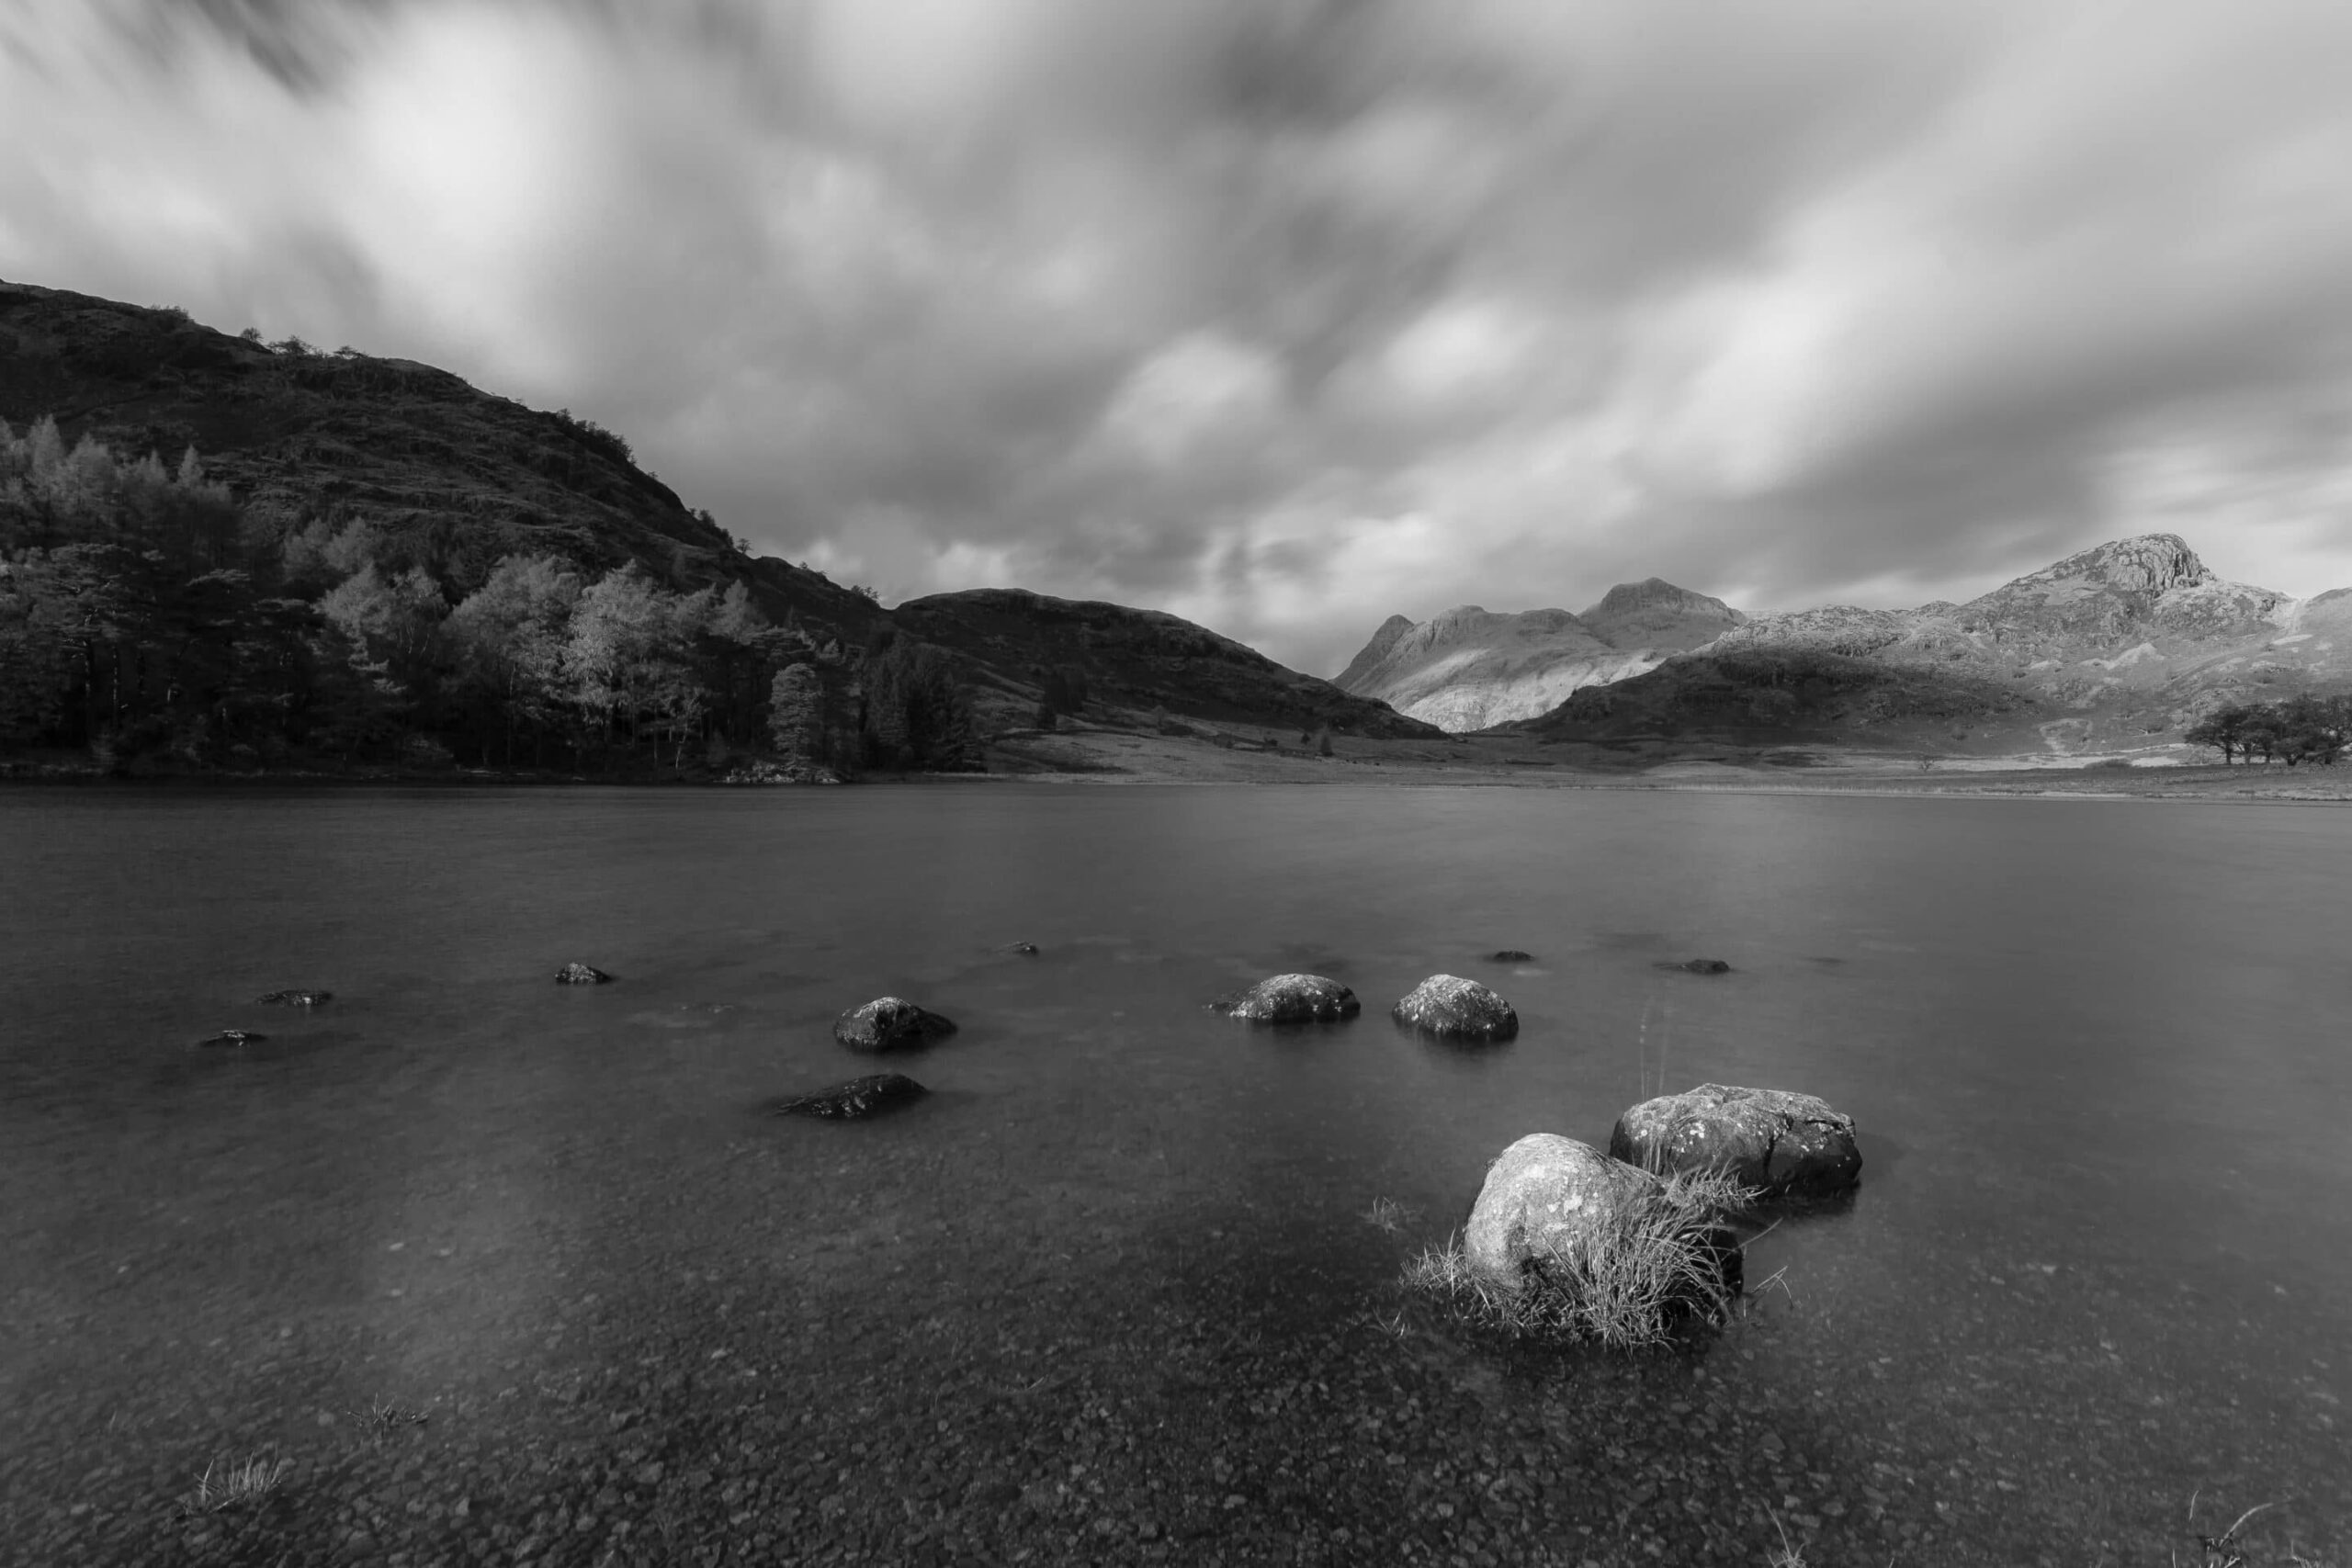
(1110, 1294)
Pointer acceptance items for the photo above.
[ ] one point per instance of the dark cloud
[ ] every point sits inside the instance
(1288, 314)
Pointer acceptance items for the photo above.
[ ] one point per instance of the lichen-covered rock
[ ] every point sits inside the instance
(1454, 1009)
(890, 1023)
(856, 1100)
(580, 974)
(298, 998)
(1291, 998)
(232, 1037)
(1510, 955)
(1776, 1140)
(1547, 1196)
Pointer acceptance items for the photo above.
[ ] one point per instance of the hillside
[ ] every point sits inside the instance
(452, 477)
(1470, 668)
(1134, 661)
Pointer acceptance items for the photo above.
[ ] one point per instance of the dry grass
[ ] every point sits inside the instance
(1389, 1215)
(384, 1415)
(223, 1488)
(1653, 1268)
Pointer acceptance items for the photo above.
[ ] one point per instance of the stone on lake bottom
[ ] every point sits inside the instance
(890, 1023)
(1774, 1140)
(1454, 1009)
(1291, 998)
(581, 974)
(1696, 965)
(297, 998)
(856, 1100)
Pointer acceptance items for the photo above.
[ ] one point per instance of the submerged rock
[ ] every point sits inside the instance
(1697, 965)
(232, 1037)
(1291, 998)
(889, 1023)
(856, 1100)
(298, 998)
(1454, 1009)
(1779, 1142)
(1025, 949)
(1510, 955)
(581, 974)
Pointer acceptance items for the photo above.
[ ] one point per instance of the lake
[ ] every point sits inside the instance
(1115, 1291)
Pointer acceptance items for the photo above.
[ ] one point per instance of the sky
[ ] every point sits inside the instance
(1289, 315)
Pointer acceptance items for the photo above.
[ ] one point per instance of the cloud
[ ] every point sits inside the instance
(1287, 314)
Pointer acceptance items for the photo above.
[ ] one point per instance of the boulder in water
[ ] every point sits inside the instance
(232, 1037)
(1509, 955)
(1697, 965)
(856, 1100)
(1454, 1009)
(581, 974)
(1555, 1212)
(1024, 949)
(1291, 998)
(298, 998)
(1781, 1142)
(890, 1023)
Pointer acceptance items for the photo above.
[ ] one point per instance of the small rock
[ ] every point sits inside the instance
(581, 974)
(232, 1037)
(1025, 949)
(890, 1023)
(1697, 965)
(298, 998)
(857, 1098)
(1510, 955)
(1771, 1139)
(1291, 998)
(1453, 1009)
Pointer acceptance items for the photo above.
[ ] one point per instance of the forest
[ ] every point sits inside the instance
(147, 622)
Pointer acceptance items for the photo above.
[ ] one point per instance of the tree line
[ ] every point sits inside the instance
(144, 617)
(2306, 729)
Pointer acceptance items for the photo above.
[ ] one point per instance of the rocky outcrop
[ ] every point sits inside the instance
(890, 1023)
(1545, 1199)
(1779, 1142)
(297, 998)
(1291, 998)
(856, 1100)
(581, 974)
(1451, 1007)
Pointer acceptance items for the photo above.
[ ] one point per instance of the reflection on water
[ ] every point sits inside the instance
(2099, 1259)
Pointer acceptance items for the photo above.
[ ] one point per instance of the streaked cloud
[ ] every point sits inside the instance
(1288, 314)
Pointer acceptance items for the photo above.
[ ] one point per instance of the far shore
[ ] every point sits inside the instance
(1254, 755)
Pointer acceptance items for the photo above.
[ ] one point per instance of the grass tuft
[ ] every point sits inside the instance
(230, 1486)
(1654, 1267)
(384, 1415)
(1389, 1215)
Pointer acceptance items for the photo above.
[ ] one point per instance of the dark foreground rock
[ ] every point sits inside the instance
(1291, 998)
(581, 974)
(1454, 1009)
(890, 1023)
(856, 1100)
(232, 1037)
(1781, 1143)
(1509, 955)
(298, 998)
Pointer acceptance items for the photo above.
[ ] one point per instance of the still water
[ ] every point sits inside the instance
(1111, 1294)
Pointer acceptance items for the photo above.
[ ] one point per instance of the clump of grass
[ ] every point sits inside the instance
(2222, 1551)
(1790, 1555)
(1647, 1269)
(1389, 1215)
(231, 1487)
(384, 1415)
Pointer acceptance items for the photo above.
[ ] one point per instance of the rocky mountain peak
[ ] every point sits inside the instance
(2149, 563)
(1653, 593)
(1372, 652)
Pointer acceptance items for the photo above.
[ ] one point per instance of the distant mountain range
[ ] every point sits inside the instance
(2110, 648)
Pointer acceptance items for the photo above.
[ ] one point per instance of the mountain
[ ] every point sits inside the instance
(1012, 640)
(1471, 669)
(452, 477)
(2129, 641)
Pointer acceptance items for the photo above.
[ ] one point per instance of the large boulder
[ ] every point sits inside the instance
(889, 1023)
(1291, 998)
(1781, 1142)
(581, 974)
(1547, 1197)
(1454, 1009)
(856, 1100)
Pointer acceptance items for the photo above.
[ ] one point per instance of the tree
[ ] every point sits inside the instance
(509, 637)
(796, 716)
(2223, 727)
